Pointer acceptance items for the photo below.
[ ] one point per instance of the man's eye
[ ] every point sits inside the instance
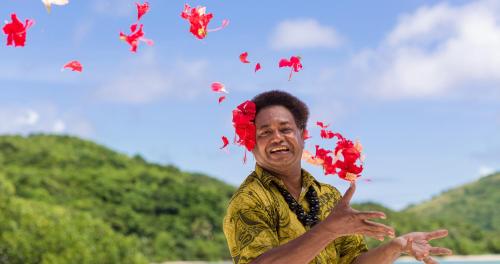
(286, 130)
(265, 133)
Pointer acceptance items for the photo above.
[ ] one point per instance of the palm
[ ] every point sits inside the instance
(417, 244)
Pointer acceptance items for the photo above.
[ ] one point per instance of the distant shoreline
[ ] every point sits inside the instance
(463, 258)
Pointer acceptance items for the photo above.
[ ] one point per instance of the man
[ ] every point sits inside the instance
(281, 214)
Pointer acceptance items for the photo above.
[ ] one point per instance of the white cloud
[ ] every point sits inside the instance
(145, 80)
(42, 118)
(485, 171)
(29, 118)
(59, 126)
(437, 51)
(304, 33)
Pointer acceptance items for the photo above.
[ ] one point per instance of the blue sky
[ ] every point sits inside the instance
(417, 82)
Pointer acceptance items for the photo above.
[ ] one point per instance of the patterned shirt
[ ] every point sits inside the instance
(259, 219)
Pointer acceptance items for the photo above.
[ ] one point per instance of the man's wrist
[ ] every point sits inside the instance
(398, 244)
(324, 228)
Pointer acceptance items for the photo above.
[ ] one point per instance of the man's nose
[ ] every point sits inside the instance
(277, 136)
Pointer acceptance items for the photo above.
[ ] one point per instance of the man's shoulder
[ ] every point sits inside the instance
(328, 187)
(252, 192)
(328, 191)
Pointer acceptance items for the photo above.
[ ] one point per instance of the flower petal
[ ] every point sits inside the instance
(142, 9)
(294, 63)
(257, 67)
(225, 142)
(135, 36)
(219, 87)
(74, 66)
(306, 134)
(243, 57)
(322, 125)
(48, 3)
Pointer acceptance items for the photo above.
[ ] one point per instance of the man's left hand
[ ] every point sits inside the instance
(416, 244)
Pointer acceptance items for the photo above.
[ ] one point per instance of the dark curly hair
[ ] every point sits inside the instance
(299, 109)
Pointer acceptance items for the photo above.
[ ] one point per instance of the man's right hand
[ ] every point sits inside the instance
(344, 220)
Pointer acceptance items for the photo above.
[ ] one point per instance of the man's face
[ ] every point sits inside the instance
(279, 142)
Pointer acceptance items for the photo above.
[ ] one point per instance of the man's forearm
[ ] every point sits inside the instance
(300, 250)
(383, 254)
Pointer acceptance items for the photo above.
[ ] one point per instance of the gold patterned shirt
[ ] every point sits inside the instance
(259, 219)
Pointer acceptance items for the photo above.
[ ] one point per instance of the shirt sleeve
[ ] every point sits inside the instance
(249, 229)
(349, 248)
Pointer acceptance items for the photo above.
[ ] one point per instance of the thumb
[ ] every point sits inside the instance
(349, 193)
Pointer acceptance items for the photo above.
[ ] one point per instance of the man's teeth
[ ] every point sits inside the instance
(279, 149)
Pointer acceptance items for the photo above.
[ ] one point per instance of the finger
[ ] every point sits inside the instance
(373, 234)
(387, 230)
(440, 251)
(370, 214)
(349, 193)
(419, 255)
(430, 260)
(436, 234)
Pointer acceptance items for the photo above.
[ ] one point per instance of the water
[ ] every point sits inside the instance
(440, 262)
(397, 262)
(453, 262)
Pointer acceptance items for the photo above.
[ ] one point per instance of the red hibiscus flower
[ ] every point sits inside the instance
(243, 122)
(136, 35)
(142, 9)
(16, 31)
(294, 63)
(199, 19)
(309, 158)
(347, 154)
(74, 66)
(345, 160)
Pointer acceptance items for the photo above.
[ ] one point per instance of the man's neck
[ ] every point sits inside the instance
(292, 179)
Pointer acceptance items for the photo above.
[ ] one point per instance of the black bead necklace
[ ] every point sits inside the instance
(312, 198)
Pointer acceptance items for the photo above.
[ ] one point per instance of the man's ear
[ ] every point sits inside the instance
(303, 135)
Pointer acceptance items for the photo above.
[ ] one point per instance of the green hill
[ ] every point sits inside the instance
(476, 202)
(65, 186)
(470, 212)
(67, 200)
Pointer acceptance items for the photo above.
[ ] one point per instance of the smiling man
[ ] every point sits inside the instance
(281, 214)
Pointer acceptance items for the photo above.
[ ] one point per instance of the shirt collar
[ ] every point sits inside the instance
(266, 177)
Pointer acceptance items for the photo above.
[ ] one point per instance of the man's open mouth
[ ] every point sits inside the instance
(282, 149)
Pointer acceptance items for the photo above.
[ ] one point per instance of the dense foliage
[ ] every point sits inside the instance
(66, 187)
(67, 200)
(469, 212)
